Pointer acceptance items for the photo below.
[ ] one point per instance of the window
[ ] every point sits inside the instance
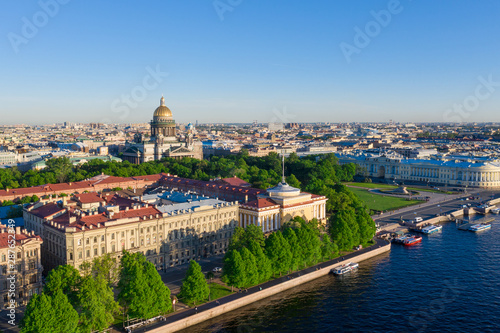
(142, 230)
(71, 256)
(132, 232)
(112, 236)
(88, 253)
(95, 239)
(123, 234)
(18, 255)
(3, 257)
(87, 241)
(95, 251)
(103, 250)
(148, 229)
(102, 238)
(112, 248)
(80, 255)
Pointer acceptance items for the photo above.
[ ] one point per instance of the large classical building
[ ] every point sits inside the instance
(170, 228)
(280, 204)
(464, 173)
(163, 141)
(19, 256)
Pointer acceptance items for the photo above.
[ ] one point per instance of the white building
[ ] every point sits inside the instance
(484, 174)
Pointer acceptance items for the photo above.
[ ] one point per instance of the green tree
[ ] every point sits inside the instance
(250, 267)
(35, 198)
(341, 231)
(14, 212)
(39, 316)
(66, 279)
(61, 167)
(279, 253)
(329, 249)
(142, 292)
(264, 267)
(65, 314)
(194, 286)
(293, 181)
(233, 271)
(295, 247)
(310, 243)
(96, 304)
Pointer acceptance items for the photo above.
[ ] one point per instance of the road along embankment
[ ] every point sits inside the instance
(211, 310)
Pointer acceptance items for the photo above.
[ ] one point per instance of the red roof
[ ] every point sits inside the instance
(260, 203)
(85, 198)
(4, 238)
(47, 210)
(235, 181)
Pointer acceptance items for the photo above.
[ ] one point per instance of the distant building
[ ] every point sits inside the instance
(163, 141)
(484, 174)
(275, 127)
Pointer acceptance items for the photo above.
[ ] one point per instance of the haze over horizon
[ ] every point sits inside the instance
(238, 61)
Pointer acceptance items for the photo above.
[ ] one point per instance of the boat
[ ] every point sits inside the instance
(479, 227)
(431, 229)
(495, 210)
(346, 268)
(412, 240)
(400, 239)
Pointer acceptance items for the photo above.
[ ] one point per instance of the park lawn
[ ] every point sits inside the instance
(372, 185)
(380, 202)
(428, 190)
(218, 291)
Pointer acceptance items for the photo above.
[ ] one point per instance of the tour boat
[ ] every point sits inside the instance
(346, 268)
(495, 211)
(479, 227)
(412, 240)
(431, 229)
(400, 239)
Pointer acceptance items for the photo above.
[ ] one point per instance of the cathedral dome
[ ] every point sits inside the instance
(162, 111)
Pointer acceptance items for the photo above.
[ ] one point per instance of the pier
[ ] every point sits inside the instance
(463, 225)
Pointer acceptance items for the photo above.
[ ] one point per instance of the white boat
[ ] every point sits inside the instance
(346, 268)
(495, 210)
(431, 229)
(479, 227)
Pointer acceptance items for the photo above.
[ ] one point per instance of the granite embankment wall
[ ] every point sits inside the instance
(243, 301)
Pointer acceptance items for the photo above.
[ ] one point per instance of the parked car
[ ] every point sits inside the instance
(217, 270)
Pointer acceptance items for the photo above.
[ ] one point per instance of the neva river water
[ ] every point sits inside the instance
(448, 283)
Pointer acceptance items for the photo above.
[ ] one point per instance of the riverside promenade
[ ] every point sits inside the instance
(186, 318)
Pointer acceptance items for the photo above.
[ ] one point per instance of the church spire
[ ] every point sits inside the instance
(283, 163)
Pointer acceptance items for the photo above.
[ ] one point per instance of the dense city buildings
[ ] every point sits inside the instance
(170, 228)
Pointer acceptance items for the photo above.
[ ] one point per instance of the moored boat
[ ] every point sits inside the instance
(346, 268)
(412, 240)
(479, 227)
(495, 211)
(431, 229)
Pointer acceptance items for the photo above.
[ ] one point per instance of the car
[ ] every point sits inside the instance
(217, 270)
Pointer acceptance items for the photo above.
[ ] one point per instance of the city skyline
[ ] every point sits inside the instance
(238, 61)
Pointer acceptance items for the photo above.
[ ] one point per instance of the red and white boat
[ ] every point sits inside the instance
(412, 240)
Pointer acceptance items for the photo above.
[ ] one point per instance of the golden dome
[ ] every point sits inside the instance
(162, 111)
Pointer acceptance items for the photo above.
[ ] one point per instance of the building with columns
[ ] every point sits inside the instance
(279, 205)
(463, 173)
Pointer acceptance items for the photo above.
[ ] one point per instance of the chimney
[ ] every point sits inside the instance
(83, 228)
(18, 230)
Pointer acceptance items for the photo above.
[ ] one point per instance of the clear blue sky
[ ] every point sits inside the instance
(266, 60)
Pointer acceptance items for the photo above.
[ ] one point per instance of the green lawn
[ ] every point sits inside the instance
(380, 202)
(218, 291)
(372, 185)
